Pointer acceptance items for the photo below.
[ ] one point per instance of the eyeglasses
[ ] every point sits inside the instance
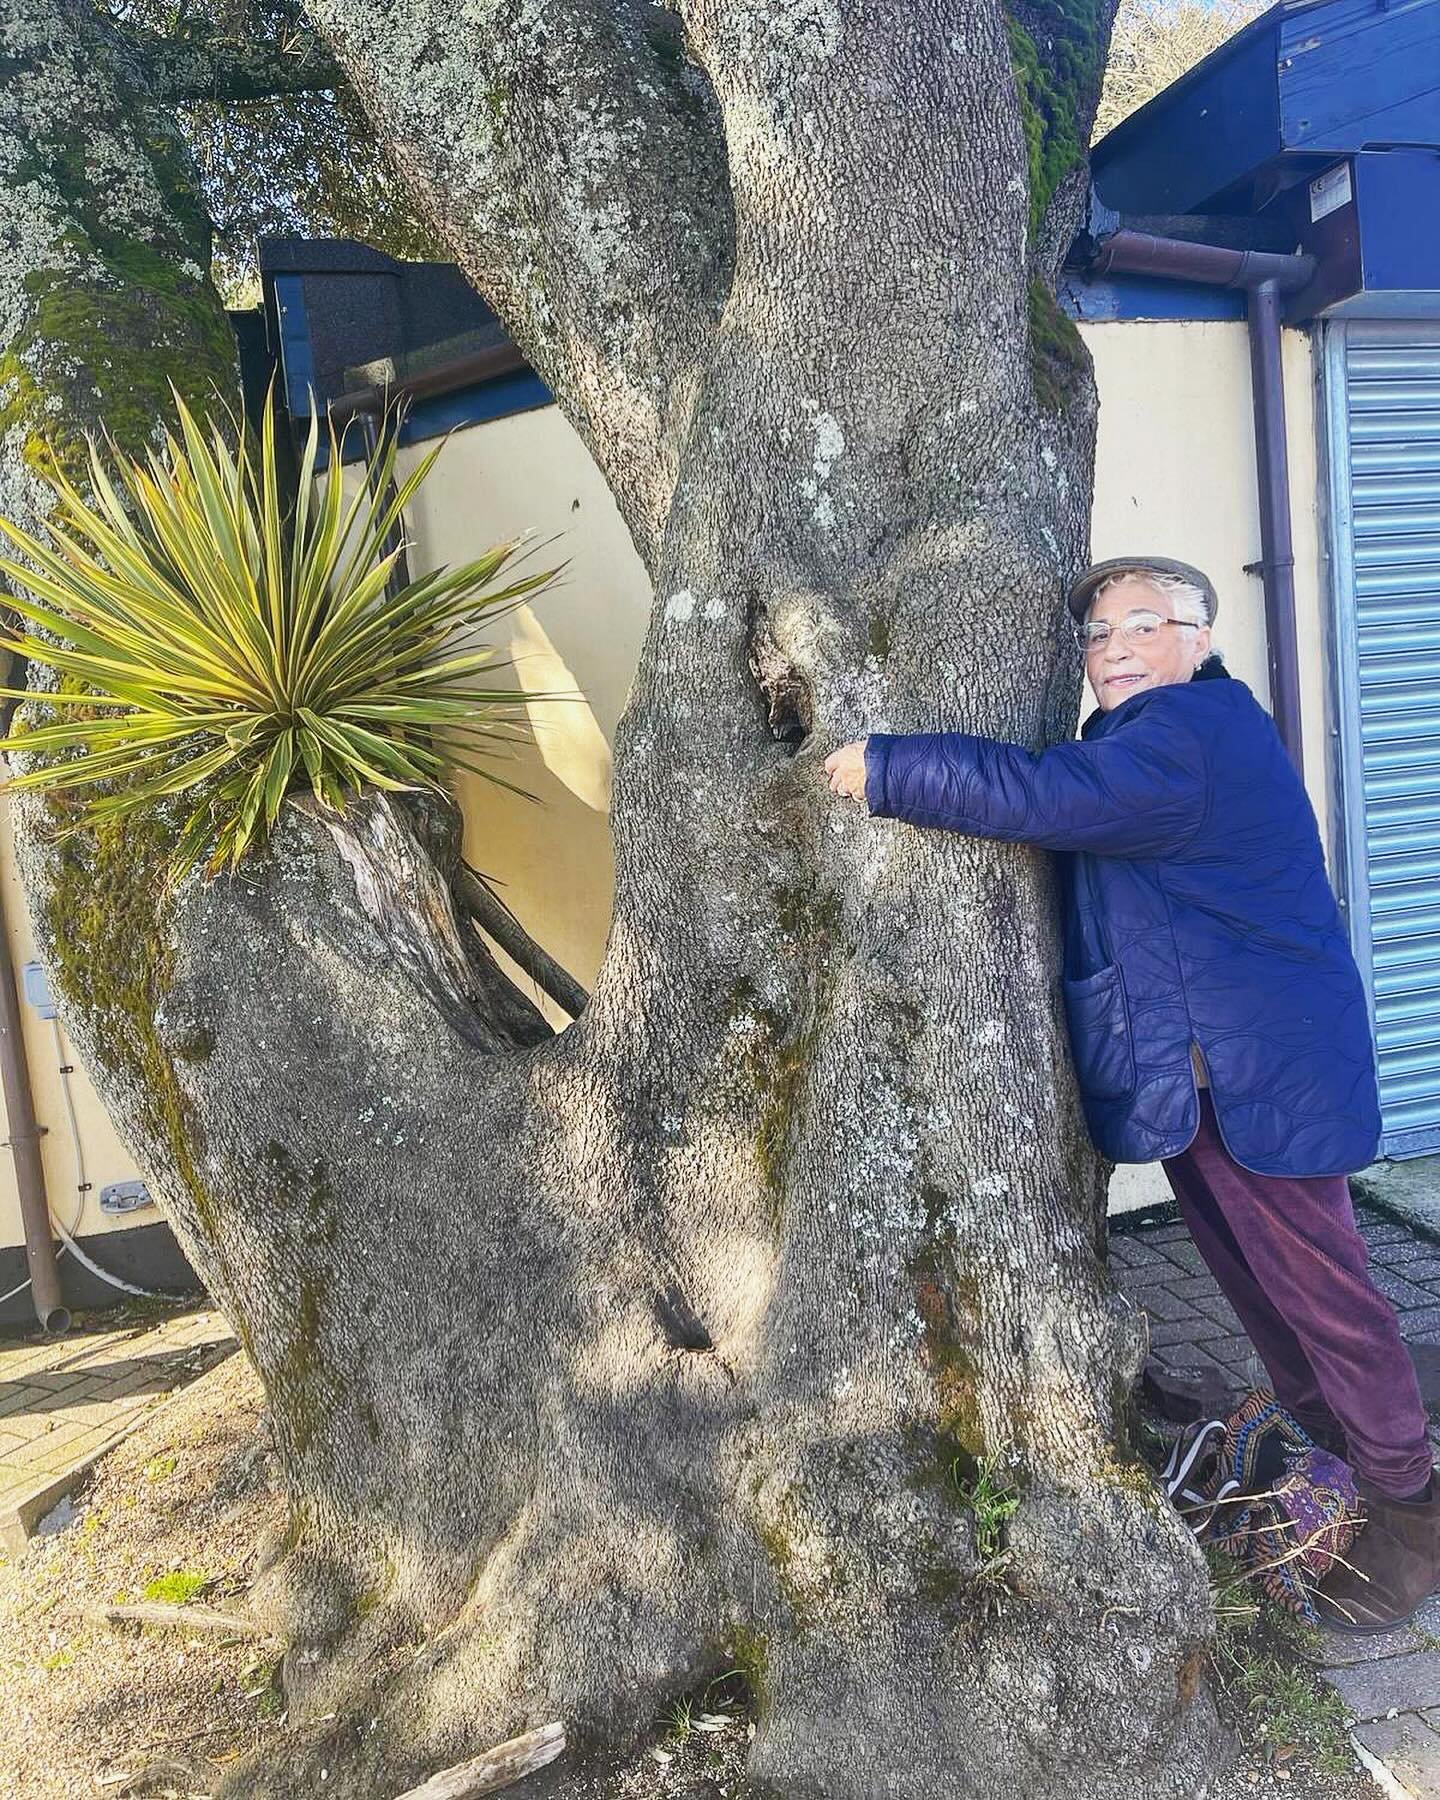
(1135, 628)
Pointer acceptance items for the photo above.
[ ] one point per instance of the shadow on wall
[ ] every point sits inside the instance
(552, 864)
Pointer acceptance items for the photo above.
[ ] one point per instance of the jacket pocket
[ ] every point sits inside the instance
(1100, 1039)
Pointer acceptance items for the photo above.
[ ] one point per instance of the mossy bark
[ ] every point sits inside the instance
(104, 303)
(104, 293)
(604, 1361)
(1058, 54)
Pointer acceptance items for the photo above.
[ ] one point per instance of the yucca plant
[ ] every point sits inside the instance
(213, 644)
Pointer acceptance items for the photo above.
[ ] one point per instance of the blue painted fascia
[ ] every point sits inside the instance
(523, 391)
(297, 365)
(1200, 136)
(1301, 84)
(1354, 74)
(1114, 297)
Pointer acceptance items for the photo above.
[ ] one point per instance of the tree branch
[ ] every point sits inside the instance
(571, 157)
(492, 915)
(181, 1618)
(182, 69)
(406, 897)
(506, 1764)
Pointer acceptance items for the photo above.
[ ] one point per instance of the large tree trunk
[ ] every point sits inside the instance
(602, 1362)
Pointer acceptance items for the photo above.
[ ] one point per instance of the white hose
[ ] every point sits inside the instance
(66, 1232)
(56, 1223)
(67, 1241)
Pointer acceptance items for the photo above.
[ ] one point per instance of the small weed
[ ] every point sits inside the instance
(263, 1675)
(706, 1710)
(985, 1488)
(680, 1720)
(1151, 1442)
(177, 1588)
(160, 1466)
(1260, 1660)
(1290, 1710)
(58, 1659)
(743, 1684)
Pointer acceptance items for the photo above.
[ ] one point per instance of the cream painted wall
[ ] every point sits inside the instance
(1175, 473)
(1179, 479)
(105, 1157)
(530, 472)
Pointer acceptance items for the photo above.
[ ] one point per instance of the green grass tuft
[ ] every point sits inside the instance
(178, 1588)
(988, 1493)
(1263, 1660)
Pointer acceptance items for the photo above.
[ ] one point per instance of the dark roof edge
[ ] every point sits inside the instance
(1136, 122)
(331, 256)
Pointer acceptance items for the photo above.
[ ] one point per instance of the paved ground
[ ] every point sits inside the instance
(1191, 1321)
(1390, 1685)
(65, 1400)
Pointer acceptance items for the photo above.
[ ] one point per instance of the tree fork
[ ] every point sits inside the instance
(600, 1361)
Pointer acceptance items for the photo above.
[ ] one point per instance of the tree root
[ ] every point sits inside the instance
(181, 1618)
(498, 1768)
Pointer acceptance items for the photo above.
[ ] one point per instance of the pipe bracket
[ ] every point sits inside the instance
(24, 1137)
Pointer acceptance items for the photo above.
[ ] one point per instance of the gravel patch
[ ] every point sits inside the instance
(86, 1709)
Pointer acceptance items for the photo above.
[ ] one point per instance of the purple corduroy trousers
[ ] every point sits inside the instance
(1291, 1261)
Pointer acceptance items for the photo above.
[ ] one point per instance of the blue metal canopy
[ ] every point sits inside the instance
(1319, 122)
(1307, 82)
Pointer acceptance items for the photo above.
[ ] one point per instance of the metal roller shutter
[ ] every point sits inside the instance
(1383, 384)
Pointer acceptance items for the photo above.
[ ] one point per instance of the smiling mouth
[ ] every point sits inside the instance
(1115, 680)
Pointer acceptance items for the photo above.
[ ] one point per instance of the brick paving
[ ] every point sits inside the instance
(1390, 1684)
(66, 1400)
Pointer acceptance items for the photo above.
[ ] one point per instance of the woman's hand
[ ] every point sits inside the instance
(846, 769)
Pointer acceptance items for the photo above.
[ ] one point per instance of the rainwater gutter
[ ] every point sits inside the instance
(440, 378)
(1264, 276)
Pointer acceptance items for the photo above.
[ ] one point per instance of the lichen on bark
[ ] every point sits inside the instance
(106, 299)
(103, 302)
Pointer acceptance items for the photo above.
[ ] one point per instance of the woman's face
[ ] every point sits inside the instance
(1117, 668)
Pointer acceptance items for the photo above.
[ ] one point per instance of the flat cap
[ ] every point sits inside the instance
(1083, 591)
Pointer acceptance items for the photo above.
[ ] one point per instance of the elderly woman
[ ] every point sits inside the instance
(1217, 1020)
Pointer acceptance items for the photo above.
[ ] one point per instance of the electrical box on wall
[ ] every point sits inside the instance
(124, 1197)
(1364, 221)
(37, 990)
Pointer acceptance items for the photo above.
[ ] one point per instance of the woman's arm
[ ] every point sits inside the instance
(1142, 791)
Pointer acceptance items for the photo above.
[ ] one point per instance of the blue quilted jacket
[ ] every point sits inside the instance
(1197, 909)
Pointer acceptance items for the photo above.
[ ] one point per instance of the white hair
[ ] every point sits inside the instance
(1185, 598)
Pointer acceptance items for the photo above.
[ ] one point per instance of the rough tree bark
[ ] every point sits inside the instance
(601, 1362)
